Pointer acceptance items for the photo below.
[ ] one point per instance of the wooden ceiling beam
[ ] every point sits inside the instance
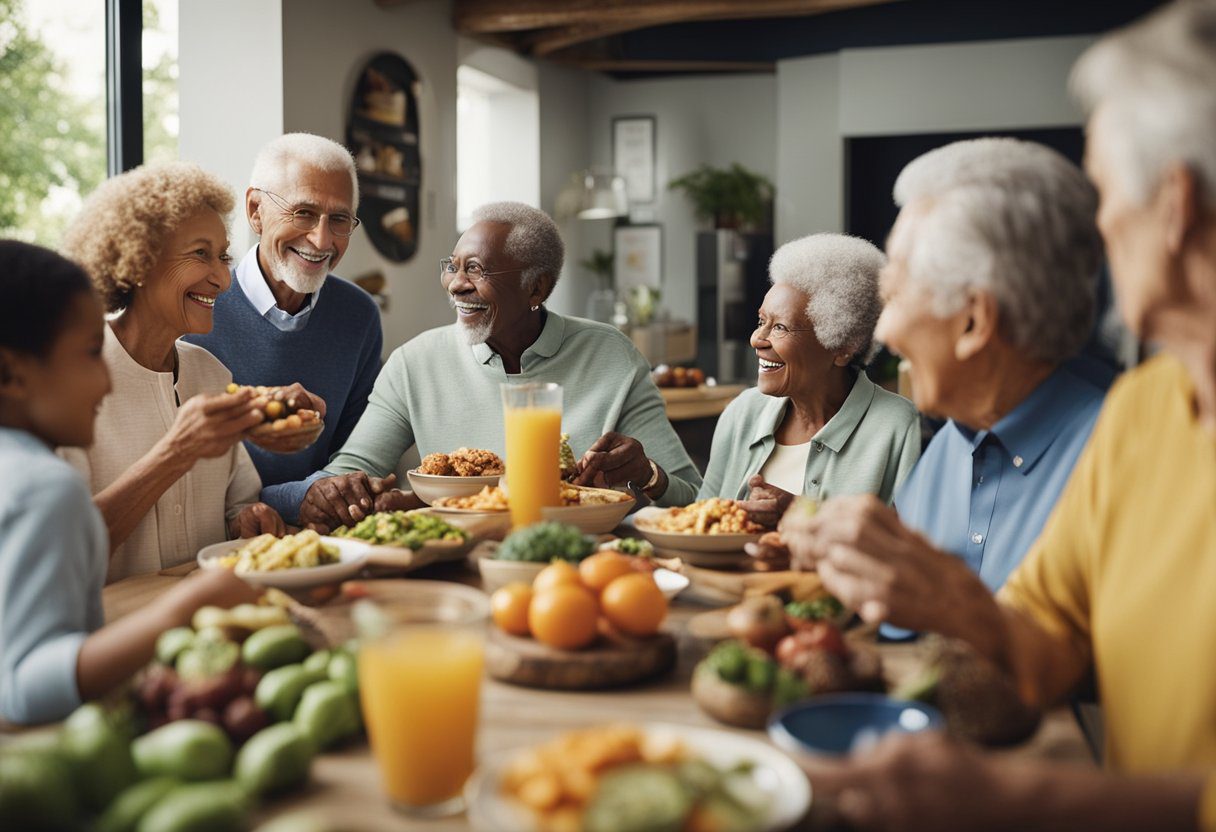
(475, 17)
(648, 65)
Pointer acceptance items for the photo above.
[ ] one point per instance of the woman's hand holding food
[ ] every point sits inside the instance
(208, 426)
(207, 588)
(616, 459)
(766, 503)
(887, 572)
(255, 519)
(303, 399)
(346, 499)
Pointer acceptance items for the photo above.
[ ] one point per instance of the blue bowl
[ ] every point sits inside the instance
(833, 726)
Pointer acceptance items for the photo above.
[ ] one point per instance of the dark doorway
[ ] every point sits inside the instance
(872, 163)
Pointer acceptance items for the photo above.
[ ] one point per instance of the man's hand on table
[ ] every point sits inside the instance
(884, 570)
(256, 519)
(346, 499)
(616, 459)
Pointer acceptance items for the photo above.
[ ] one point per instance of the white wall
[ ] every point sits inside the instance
(901, 90)
(705, 119)
(230, 57)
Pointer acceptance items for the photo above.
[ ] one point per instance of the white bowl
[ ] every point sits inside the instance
(432, 487)
(351, 556)
(596, 519)
(773, 773)
(717, 543)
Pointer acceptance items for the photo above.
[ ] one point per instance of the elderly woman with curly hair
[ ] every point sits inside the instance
(814, 424)
(168, 470)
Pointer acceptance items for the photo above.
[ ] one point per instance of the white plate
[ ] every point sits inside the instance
(432, 487)
(595, 519)
(774, 773)
(723, 543)
(351, 555)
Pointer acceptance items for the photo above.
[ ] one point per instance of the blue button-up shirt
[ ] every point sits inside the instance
(985, 495)
(249, 277)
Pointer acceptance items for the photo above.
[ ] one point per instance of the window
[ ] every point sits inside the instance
(53, 104)
(497, 143)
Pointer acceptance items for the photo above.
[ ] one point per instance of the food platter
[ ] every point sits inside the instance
(352, 555)
(404, 559)
(786, 789)
(679, 543)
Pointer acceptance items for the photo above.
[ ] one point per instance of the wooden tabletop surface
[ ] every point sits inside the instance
(345, 783)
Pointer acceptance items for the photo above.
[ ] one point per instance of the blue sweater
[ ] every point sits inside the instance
(336, 355)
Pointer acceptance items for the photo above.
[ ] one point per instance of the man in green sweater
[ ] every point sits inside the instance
(440, 390)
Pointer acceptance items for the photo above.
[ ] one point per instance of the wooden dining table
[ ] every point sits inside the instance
(345, 785)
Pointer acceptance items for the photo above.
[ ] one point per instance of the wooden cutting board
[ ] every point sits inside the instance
(605, 664)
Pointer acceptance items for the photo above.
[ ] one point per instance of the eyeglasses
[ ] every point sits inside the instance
(306, 219)
(473, 271)
(776, 332)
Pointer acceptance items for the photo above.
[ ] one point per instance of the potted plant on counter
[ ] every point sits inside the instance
(733, 197)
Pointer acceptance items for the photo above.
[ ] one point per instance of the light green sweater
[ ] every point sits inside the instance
(868, 447)
(440, 393)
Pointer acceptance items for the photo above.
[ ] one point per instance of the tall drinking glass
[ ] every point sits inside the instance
(532, 416)
(420, 685)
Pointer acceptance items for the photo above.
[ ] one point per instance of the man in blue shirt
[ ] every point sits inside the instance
(287, 318)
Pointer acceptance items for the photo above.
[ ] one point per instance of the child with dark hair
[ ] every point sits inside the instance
(54, 651)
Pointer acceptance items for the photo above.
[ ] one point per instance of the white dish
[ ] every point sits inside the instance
(774, 773)
(670, 583)
(593, 519)
(351, 556)
(432, 487)
(715, 543)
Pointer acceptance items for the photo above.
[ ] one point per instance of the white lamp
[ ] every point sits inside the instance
(593, 195)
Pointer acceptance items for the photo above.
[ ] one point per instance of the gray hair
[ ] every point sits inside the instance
(533, 240)
(839, 276)
(1016, 220)
(1157, 79)
(276, 156)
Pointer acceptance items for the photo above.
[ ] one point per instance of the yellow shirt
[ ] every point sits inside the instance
(1126, 569)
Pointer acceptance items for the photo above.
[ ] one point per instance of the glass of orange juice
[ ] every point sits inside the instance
(532, 416)
(420, 685)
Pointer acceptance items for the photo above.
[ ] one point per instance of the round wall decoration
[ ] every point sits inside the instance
(382, 133)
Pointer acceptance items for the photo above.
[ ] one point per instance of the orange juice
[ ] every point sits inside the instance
(420, 687)
(533, 473)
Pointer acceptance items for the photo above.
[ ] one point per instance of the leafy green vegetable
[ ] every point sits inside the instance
(543, 542)
(788, 688)
(398, 528)
(824, 608)
(634, 546)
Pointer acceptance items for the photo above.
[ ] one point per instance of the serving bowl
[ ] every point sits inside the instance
(352, 554)
(432, 487)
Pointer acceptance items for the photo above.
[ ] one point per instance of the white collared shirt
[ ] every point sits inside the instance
(253, 284)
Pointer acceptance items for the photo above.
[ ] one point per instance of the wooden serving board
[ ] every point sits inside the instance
(527, 662)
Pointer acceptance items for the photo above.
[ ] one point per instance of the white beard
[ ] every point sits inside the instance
(474, 334)
(294, 275)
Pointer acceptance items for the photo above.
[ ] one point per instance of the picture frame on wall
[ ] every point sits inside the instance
(638, 256)
(633, 156)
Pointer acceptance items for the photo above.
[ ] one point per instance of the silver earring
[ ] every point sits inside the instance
(534, 308)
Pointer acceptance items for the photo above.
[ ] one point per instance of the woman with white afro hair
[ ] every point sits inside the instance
(814, 424)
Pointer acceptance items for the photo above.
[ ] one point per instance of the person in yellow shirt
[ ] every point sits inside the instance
(1123, 578)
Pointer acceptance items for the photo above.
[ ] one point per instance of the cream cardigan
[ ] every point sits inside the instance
(193, 513)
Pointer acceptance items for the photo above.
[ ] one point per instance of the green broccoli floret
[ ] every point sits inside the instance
(820, 609)
(543, 542)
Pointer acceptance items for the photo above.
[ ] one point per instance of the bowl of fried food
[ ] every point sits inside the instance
(286, 428)
(462, 473)
(712, 525)
(295, 561)
(590, 510)
(652, 776)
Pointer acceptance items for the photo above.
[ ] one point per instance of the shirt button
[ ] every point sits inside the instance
(177, 509)
(818, 446)
(981, 480)
(814, 482)
(1017, 462)
(977, 538)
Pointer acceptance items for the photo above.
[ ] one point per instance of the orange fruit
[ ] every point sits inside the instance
(564, 617)
(558, 573)
(603, 568)
(509, 606)
(634, 604)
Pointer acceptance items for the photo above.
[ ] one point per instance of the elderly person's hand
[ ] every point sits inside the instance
(256, 519)
(346, 499)
(304, 399)
(208, 426)
(765, 503)
(917, 782)
(207, 587)
(881, 568)
(770, 552)
(616, 459)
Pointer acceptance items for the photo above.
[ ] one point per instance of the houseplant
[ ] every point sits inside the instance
(733, 197)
